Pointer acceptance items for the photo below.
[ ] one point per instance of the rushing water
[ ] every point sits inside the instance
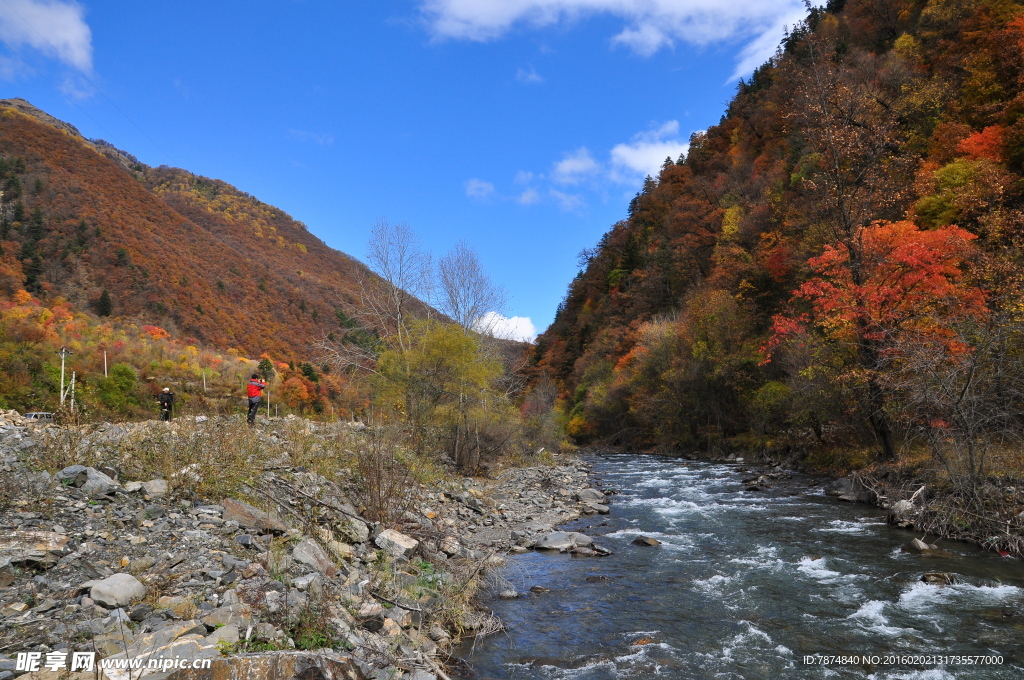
(744, 586)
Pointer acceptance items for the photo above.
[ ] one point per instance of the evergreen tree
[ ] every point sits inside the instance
(104, 306)
(266, 369)
(35, 230)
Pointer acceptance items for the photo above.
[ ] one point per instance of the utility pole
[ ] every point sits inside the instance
(64, 353)
(104, 363)
(72, 391)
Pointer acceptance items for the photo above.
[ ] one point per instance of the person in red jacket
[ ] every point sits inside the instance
(254, 389)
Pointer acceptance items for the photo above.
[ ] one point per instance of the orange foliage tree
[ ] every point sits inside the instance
(898, 287)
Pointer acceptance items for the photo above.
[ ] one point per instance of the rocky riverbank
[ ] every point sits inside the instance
(289, 577)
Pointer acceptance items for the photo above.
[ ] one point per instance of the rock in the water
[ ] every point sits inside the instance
(563, 540)
(117, 590)
(508, 594)
(310, 553)
(539, 589)
(251, 518)
(852, 490)
(939, 578)
(396, 543)
(646, 541)
(916, 546)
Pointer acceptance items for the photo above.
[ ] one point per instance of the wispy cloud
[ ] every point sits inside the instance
(55, 28)
(575, 167)
(323, 139)
(568, 202)
(479, 189)
(650, 25)
(530, 77)
(529, 197)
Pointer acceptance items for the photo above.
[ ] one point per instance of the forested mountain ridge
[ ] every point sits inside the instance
(838, 260)
(186, 253)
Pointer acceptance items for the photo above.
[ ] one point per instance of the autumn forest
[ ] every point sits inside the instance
(834, 268)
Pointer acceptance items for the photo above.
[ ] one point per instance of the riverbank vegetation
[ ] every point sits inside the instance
(832, 274)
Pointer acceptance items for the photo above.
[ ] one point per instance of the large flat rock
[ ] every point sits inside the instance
(251, 517)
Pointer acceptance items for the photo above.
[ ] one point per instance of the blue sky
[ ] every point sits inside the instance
(521, 127)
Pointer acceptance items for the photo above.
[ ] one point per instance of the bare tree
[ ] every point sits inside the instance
(403, 271)
(399, 277)
(467, 294)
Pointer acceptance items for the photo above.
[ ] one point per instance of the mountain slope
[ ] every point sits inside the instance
(193, 255)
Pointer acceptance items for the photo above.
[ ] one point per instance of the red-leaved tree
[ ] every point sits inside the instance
(893, 286)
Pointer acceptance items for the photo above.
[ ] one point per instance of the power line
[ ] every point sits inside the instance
(89, 80)
(59, 91)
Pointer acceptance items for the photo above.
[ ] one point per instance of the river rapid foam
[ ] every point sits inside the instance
(749, 585)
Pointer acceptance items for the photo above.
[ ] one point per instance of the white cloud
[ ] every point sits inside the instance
(519, 328)
(479, 189)
(650, 25)
(529, 197)
(530, 77)
(54, 27)
(524, 177)
(646, 152)
(304, 136)
(575, 167)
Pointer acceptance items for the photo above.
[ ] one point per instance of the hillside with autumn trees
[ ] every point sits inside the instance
(187, 253)
(834, 268)
(180, 280)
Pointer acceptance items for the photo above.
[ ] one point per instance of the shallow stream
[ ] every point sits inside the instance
(747, 585)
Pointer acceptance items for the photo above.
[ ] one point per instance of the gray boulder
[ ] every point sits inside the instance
(646, 541)
(939, 578)
(396, 543)
(851, 490)
(356, 530)
(592, 496)
(155, 488)
(918, 546)
(563, 540)
(90, 480)
(118, 590)
(310, 553)
(251, 518)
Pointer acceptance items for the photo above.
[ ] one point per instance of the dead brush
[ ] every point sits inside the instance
(326, 451)
(384, 475)
(210, 459)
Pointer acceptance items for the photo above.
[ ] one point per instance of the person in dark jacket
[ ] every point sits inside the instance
(254, 389)
(166, 400)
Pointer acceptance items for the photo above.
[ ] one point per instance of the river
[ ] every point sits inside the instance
(746, 585)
